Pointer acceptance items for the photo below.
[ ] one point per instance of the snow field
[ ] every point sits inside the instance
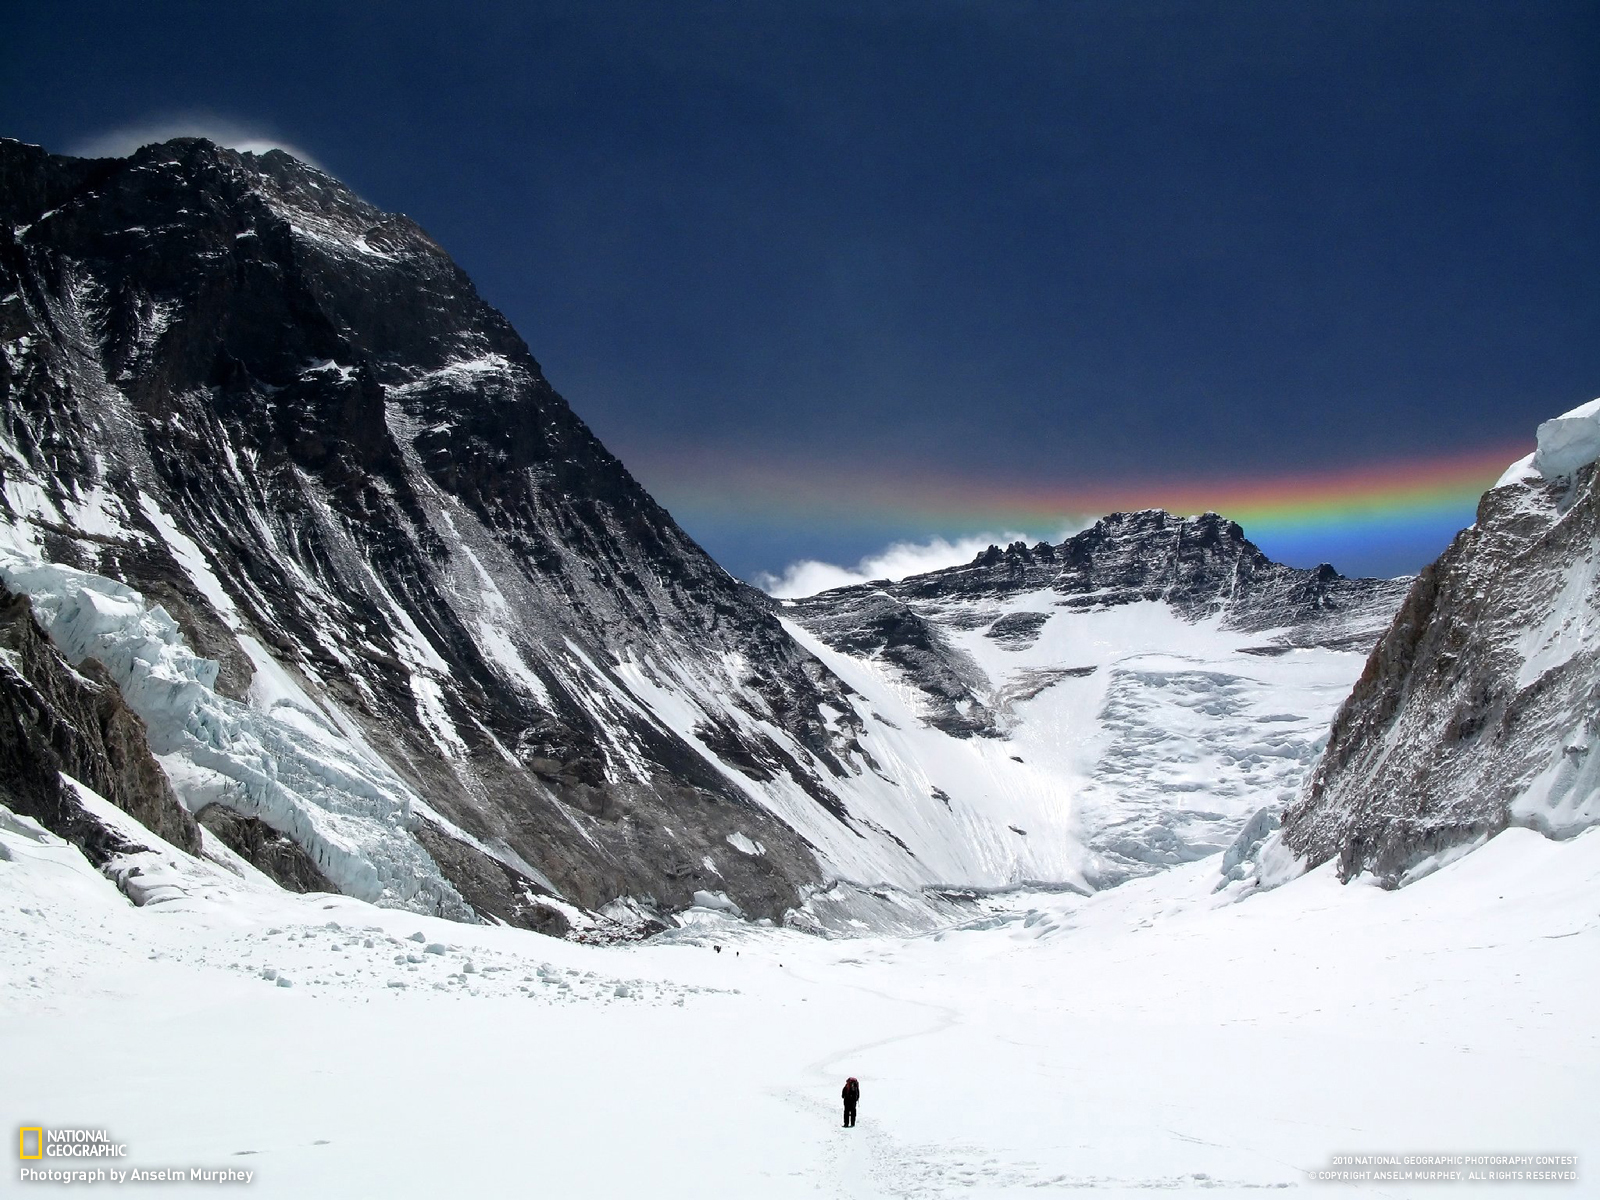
(1158, 1036)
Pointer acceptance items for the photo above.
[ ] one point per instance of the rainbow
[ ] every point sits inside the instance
(1303, 517)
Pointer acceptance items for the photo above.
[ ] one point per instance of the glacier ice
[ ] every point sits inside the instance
(348, 810)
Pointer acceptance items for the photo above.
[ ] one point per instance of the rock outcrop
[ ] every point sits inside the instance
(1480, 708)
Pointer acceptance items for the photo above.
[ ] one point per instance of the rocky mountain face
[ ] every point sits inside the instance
(286, 420)
(1161, 672)
(1480, 707)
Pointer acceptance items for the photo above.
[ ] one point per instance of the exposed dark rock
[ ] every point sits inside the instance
(492, 888)
(264, 848)
(1018, 630)
(869, 622)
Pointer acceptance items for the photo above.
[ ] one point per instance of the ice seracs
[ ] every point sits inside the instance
(345, 808)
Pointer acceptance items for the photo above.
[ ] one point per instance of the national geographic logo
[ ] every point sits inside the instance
(34, 1142)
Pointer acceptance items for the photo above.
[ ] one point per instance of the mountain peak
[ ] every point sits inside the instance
(240, 392)
(1200, 566)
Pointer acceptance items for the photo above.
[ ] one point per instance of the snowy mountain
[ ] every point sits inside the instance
(1480, 708)
(279, 484)
(265, 444)
(1126, 699)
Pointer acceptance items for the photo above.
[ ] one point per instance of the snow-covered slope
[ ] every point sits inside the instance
(1103, 708)
(1153, 1038)
(1480, 708)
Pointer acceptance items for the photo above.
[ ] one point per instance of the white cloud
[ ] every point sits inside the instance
(808, 576)
(124, 140)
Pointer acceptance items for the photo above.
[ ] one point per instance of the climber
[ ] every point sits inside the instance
(851, 1093)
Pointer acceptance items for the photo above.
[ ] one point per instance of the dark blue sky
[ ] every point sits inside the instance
(1045, 243)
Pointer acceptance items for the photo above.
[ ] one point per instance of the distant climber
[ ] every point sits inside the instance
(851, 1093)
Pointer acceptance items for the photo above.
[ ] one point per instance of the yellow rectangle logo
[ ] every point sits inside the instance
(38, 1142)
